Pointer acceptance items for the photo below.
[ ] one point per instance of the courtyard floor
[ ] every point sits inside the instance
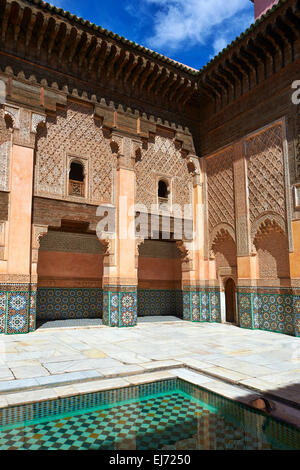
(83, 357)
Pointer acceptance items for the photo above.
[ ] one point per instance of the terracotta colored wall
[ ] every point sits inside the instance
(159, 273)
(70, 265)
(295, 256)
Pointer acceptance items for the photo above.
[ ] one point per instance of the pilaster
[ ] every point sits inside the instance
(18, 282)
(246, 256)
(120, 277)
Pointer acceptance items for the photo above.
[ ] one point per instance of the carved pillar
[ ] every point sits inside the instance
(194, 266)
(120, 271)
(18, 285)
(246, 257)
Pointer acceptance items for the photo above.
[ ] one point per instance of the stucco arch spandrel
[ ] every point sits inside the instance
(12, 114)
(220, 230)
(263, 219)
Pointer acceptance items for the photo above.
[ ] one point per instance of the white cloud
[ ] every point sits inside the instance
(177, 22)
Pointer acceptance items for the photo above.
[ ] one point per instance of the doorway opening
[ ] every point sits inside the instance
(230, 299)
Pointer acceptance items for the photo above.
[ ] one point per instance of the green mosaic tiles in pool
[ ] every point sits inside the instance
(166, 415)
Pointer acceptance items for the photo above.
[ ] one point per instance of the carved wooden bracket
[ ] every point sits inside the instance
(138, 242)
(186, 255)
(38, 231)
(109, 245)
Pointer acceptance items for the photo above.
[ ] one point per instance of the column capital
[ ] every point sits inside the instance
(126, 147)
(194, 168)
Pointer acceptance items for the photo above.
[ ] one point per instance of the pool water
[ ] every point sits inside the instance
(178, 416)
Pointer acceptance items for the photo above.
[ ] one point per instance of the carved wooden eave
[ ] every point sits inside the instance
(56, 46)
(263, 50)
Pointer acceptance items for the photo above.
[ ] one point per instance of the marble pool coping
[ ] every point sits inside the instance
(283, 410)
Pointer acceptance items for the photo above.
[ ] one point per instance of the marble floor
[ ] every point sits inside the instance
(73, 355)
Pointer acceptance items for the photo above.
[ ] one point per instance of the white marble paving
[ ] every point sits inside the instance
(65, 357)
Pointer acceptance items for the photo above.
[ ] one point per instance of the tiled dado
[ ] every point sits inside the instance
(17, 308)
(276, 310)
(201, 305)
(68, 303)
(120, 306)
(156, 302)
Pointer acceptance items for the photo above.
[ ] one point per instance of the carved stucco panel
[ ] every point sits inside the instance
(265, 164)
(220, 189)
(73, 131)
(162, 158)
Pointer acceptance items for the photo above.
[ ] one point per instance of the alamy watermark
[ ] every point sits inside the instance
(2, 92)
(296, 94)
(137, 221)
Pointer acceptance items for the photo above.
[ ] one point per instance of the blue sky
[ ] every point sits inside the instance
(189, 31)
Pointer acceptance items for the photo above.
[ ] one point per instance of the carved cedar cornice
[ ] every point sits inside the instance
(263, 50)
(64, 44)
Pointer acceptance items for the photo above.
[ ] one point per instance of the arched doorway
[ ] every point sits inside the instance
(230, 299)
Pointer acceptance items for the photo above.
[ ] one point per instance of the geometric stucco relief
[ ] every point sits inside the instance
(162, 158)
(71, 243)
(220, 189)
(5, 145)
(73, 132)
(264, 153)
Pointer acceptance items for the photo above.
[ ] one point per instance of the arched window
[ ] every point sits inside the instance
(76, 179)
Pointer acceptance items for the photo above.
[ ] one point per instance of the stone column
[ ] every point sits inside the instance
(18, 286)
(120, 271)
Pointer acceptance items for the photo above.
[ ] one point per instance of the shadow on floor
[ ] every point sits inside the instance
(76, 322)
(82, 322)
(158, 319)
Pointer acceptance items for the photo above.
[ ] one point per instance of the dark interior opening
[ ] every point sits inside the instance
(76, 172)
(162, 189)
